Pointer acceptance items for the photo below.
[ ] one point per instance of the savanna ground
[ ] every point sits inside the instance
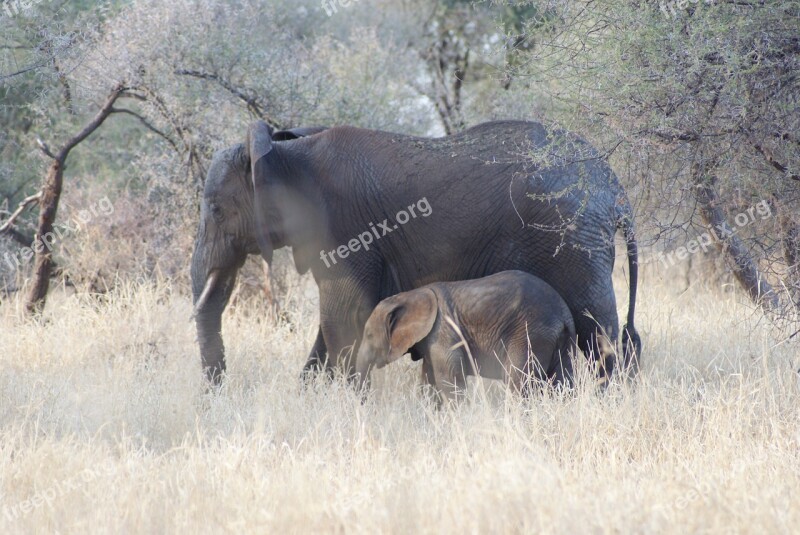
(106, 426)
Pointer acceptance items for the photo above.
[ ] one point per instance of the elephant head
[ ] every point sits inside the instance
(240, 214)
(394, 327)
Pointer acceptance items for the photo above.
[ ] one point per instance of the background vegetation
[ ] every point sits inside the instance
(695, 104)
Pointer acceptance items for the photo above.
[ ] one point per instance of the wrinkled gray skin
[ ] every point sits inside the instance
(492, 208)
(515, 327)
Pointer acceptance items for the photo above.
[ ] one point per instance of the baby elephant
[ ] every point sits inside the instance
(515, 326)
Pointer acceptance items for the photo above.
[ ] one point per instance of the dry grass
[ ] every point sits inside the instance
(105, 426)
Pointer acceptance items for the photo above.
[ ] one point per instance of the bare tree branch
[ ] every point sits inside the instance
(150, 96)
(44, 148)
(22, 239)
(149, 126)
(62, 78)
(252, 102)
(101, 116)
(27, 201)
(767, 154)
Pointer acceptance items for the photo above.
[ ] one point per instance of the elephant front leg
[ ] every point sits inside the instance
(427, 377)
(345, 307)
(317, 359)
(342, 342)
(427, 383)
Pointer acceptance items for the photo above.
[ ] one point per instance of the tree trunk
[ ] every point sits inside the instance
(42, 244)
(48, 205)
(448, 64)
(744, 268)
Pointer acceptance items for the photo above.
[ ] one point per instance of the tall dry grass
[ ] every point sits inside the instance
(106, 426)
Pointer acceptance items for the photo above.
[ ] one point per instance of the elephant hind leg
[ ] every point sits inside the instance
(450, 377)
(543, 362)
(598, 343)
(524, 371)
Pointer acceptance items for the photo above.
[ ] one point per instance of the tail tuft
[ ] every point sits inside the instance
(632, 349)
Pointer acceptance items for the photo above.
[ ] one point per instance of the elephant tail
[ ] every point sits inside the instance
(631, 342)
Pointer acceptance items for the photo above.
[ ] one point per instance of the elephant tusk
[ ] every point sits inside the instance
(211, 283)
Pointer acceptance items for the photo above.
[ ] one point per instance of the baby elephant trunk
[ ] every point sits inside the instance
(365, 362)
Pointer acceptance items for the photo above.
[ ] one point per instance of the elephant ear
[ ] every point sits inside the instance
(295, 133)
(259, 145)
(409, 321)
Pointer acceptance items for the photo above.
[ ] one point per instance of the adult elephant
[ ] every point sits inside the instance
(499, 196)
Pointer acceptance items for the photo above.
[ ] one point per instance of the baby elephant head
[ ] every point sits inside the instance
(396, 324)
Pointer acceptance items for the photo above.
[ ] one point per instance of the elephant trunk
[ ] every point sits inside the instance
(212, 349)
(211, 289)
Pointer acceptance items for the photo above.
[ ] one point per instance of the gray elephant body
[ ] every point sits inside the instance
(494, 204)
(509, 326)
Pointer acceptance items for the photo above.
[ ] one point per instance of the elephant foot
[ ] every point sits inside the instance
(313, 368)
(214, 373)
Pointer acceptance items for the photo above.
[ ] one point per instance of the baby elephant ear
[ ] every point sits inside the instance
(259, 144)
(410, 321)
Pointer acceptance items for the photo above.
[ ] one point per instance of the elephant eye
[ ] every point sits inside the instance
(216, 212)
